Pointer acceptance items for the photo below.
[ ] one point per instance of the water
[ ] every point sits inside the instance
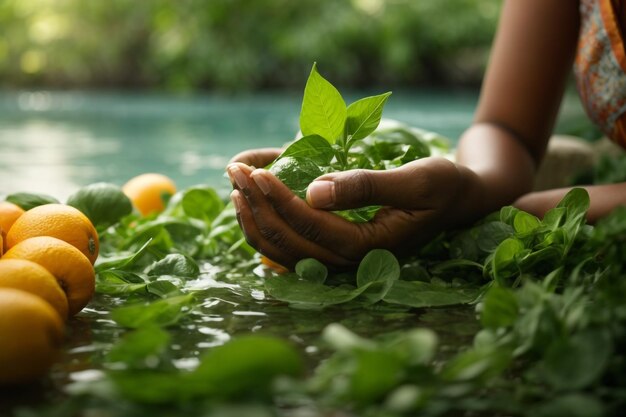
(54, 142)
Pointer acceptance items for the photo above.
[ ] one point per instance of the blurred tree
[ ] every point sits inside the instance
(242, 44)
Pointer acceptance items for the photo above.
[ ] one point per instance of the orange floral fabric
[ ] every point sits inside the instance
(600, 67)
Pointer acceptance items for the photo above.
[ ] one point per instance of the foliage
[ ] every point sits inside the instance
(548, 339)
(234, 45)
(337, 137)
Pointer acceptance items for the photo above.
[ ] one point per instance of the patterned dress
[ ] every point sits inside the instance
(600, 66)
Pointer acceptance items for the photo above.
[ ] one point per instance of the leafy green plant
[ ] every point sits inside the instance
(531, 316)
(337, 137)
(104, 204)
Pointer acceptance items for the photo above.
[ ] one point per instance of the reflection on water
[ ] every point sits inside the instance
(54, 142)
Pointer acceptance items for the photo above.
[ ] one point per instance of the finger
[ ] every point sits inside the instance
(271, 235)
(238, 174)
(325, 229)
(246, 222)
(421, 184)
(257, 157)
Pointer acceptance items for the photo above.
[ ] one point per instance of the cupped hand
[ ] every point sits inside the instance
(257, 157)
(417, 199)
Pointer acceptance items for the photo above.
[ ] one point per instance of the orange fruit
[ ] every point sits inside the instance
(31, 332)
(35, 279)
(149, 192)
(275, 266)
(9, 212)
(60, 221)
(70, 267)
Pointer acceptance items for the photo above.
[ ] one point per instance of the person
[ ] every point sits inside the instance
(535, 46)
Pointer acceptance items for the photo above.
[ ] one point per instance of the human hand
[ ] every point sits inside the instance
(417, 200)
(257, 157)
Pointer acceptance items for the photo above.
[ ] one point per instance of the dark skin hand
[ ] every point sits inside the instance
(495, 163)
(285, 228)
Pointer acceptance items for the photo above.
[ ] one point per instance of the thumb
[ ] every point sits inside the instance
(417, 185)
(351, 189)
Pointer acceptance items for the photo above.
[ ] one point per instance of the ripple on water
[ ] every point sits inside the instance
(87, 375)
(188, 364)
(218, 336)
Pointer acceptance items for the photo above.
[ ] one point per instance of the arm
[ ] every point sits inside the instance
(531, 58)
(603, 199)
(529, 65)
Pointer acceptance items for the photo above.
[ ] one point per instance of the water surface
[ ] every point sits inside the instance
(54, 142)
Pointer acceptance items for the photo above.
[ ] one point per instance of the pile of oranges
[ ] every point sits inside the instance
(46, 277)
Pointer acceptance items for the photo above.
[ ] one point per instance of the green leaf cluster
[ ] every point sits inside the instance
(336, 137)
(532, 312)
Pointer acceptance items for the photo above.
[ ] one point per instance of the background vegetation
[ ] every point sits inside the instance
(242, 44)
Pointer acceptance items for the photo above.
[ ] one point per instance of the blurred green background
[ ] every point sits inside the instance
(102, 90)
(242, 45)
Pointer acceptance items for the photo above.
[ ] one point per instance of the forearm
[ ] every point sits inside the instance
(496, 170)
(604, 199)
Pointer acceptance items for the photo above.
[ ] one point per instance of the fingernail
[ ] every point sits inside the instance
(238, 176)
(234, 197)
(321, 194)
(261, 182)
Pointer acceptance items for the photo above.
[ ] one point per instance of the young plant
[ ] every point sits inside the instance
(337, 137)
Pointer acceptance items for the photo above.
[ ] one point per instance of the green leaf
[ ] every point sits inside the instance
(246, 366)
(135, 348)
(121, 260)
(570, 405)
(312, 270)
(363, 116)
(103, 203)
(202, 203)
(309, 295)
(28, 200)
(296, 173)
(174, 264)
(420, 294)
(312, 147)
(411, 154)
(525, 222)
(499, 308)
(118, 282)
(576, 362)
(507, 214)
(542, 259)
(163, 312)
(359, 215)
(378, 265)
(378, 269)
(415, 346)
(576, 201)
(492, 234)
(376, 374)
(456, 265)
(341, 338)
(305, 294)
(554, 217)
(149, 386)
(477, 364)
(242, 369)
(503, 261)
(163, 289)
(402, 135)
(323, 109)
